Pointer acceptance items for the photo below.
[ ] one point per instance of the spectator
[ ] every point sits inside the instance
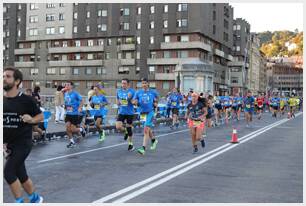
(59, 105)
(37, 96)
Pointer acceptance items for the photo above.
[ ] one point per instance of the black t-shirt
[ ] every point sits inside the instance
(37, 99)
(15, 131)
(196, 110)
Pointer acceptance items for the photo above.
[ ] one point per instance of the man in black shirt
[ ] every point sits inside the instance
(20, 112)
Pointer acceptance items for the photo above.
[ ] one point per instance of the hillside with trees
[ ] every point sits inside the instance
(281, 43)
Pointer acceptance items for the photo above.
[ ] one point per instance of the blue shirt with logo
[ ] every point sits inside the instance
(126, 107)
(97, 103)
(226, 101)
(72, 102)
(275, 101)
(249, 103)
(146, 100)
(175, 99)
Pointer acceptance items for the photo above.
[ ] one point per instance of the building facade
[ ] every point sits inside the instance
(89, 42)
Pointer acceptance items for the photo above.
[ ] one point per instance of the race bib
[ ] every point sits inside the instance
(124, 102)
(173, 103)
(69, 109)
(248, 106)
(97, 106)
(143, 117)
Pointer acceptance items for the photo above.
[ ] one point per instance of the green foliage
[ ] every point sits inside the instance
(273, 43)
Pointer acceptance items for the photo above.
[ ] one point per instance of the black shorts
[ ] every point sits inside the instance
(74, 119)
(218, 106)
(235, 108)
(175, 111)
(275, 107)
(129, 118)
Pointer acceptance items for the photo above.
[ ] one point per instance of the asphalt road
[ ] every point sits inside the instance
(266, 166)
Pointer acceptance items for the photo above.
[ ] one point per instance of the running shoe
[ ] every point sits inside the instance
(195, 150)
(83, 132)
(102, 136)
(202, 143)
(141, 151)
(154, 144)
(37, 199)
(126, 134)
(131, 147)
(70, 145)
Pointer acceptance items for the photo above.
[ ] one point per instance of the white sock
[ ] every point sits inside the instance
(71, 140)
(81, 129)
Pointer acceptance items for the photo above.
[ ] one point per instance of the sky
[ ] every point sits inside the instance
(270, 16)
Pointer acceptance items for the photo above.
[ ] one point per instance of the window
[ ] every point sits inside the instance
(61, 16)
(18, 19)
(34, 71)
(152, 25)
(137, 70)
(51, 71)
(126, 26)
(89, 84)
(33, 32)
(184, 22)
(61, 5)
(103, 27)
(152, 54)
(138, 40)
(50, 17)
(166, 69)
(138, 25)
(75, 71)
(50, 5)
(238, 27)
(166, 8)
(184, 38)
(167, 54)
(77, 43)
(138, 10)
(238, 48)
(99, 70)
(90, 42)
(7, 33)
(167, 38)
(125, 12)
(33, 19)
(165, 24)
(100, 42)
(178, 23)
(119, 55)
(152, 9)
(151, 39)
(225, 23)
(75, 15)
(107, 55)
(182, 54)
(33, 6)
(109, 42)
(88, 71)
(123, 70)
(4, 9)
(214, 29)
(87, 28)
(214, 15)
(50, 30)
(18, 33)
(102, 13)
(225, 36)
(166, 85)
(234, 27)
(75, 29)
(89, 56)
(151, 69)
(19, 7)
(77, 56)
(88, 14)
(61, 29)
(182, 7)
(62, 71)
(138, 55)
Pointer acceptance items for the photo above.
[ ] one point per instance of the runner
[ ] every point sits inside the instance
(236, 107)
(146, 98)
(196, 113)
(98, 102)
(292, 103)
(73, 105)
(20, 112)
(175, 99)
(249, 107)
(227, 107)
(218, 108)
(260, 101)
(210, 111)
(282, 104)
(125, 111)
(274, 105)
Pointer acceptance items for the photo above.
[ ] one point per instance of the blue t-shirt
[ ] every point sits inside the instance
(146, 99)
(249, 102)
(175, 99)
(236, 101)
(218, 100)
(226, 101)
(72, 102)
(275, 101)
(126, 107)
(97, 102)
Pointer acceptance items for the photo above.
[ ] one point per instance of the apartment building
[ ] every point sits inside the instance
(89, 42)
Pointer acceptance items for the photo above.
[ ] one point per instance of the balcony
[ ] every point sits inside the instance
(75, 63)
(170, 61)
(127, 62)
(24, 64)
(54, 50)
(126, 47)
(25, 51)
(219, 53)
(186, 45)
(164, 76)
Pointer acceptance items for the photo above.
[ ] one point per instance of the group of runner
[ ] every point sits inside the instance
(20, 113)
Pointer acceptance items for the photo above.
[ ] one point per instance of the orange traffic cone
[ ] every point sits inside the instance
(234, 136)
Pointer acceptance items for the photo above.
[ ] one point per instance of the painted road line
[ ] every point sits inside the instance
(184, 170)
(101, 148)
(132, 187)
